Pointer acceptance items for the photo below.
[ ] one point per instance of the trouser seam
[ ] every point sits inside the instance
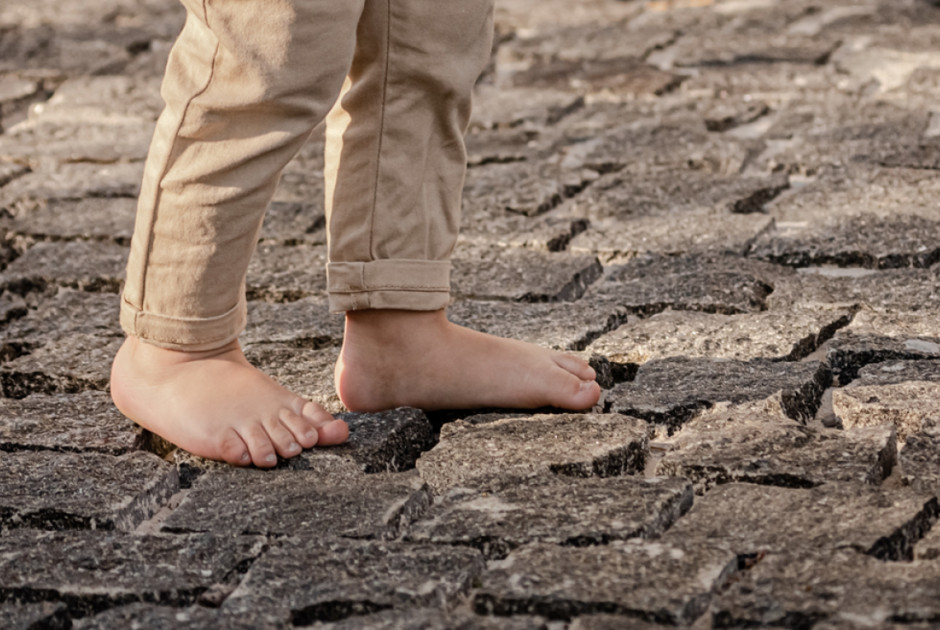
(378, 153)
(166, 165)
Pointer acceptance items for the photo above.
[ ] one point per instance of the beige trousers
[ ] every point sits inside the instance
(246, 83)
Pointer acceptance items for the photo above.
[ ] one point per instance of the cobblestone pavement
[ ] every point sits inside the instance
(730, 206)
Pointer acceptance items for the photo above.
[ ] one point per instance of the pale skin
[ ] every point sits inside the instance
(216, 405)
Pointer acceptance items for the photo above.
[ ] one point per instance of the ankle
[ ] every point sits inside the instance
(389, 326)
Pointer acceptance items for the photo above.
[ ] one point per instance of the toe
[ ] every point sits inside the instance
(576, 366)
(259, 446)
(233, 449)
(305, 433)
(282, 439)
(573, 393)
(329, 430)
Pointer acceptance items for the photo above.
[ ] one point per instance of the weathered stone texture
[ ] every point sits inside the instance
(561, 510)
(568, 444)
(306, 323)
(284, 273)
(50, 490)
(69, 312)
(70, 219)
(45, 615)
(83, 265)
(920, 460)
(72, 364)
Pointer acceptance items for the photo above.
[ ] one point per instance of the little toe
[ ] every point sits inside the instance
(234, 450)
(576, 366)
(259, 446)
(304, 432)
(282, 439)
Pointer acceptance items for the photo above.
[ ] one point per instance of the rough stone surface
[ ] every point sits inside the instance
(49, 490)
(69, 312)
(306, 323)
(156, 617)
(920, 460)
(288, 502)
(671, 583)
(712, 450)
(430, 619)
(388, 441)
(568, 444)
(307, 372)
(788, 335)
(325, 579)
(50, 615)
(70, 219)
(561, 510)
(754, 519)
(90, 571)
(671, 391)
(84, 265)
(283, 273)
(73, 364)
(87, 421)
(892, 291)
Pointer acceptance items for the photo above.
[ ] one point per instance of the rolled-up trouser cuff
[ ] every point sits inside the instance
(186, 334)
(413, 285)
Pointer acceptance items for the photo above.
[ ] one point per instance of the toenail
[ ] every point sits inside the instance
(293, 446)
(586, 385)
(310, 435)
(245, 457)
(271, 458)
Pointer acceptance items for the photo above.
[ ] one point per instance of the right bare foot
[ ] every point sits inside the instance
(217, 405)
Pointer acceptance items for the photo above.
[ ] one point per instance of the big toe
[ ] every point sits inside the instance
(576, 394)
(575, 366)
(330, 431)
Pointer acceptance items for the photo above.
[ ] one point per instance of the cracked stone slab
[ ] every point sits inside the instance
(903, 394)
(72, 364)
(83, 265)
(291, 223)
(71, 219)
(75, 181)
(876, 337)
(86, 421)
(91, 571)
(653, 581)
(69, 312)
(156, 617)
(499, 273)
(623, 76)
(569, 326)
(920, 461)
(285, 273)
(46, 615)
(841, 586)
(928, 548)
(890, 290)
(430, 619)
(578, 445)
(603, 621)
(561, 510)
(672, 391)
(866, 241)
(507, 107)
(283, 501)
(306, 372)
(753, 519)
(55, 490)
(387, 441)
(720, 448)
(324, 579)
(778, 334)
(306, 323)
(722, 284)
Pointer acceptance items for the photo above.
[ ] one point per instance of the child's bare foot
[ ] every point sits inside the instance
(419, 359)
(216, 405)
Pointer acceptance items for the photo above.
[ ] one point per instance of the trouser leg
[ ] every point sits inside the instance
(246, 82)
(395, 152)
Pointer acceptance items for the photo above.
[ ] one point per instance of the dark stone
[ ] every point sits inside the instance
(250, 501)
(672, 391)
(752, 519)
(324, 579)
(72, 364)
(70, 219)
(306, 323)
(83, 265)
(431, 619)
(388, 441)
(285, 273)
(576, 445)
(69, 312)
(90, 571)
(920, 461)
(50, 490)
(42, 615)
(562, 510)
(154, 617)
(292, 223)
(653, 581)
(87, 421)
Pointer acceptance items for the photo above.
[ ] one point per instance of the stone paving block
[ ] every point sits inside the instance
(306, 323)
(430, 619)
(90, 571)
(387, 441)
(560, 510)
(508, 107)
(928, 547)
(72, 364)
(577, 445)
(86, 421)
(306, 372)
(865, 241)
(45, 615)
(12, 306)
(920, 460)
(323, 579)
(712, 450)
(799, 590)
(653, 581)
(69, 312)
(155, 617)
(904, 395)
(722, 284)
(519, 275)
(50, 490)
(83, 265)
(75, 181)
(243, 501)
(294, 222)
(623, 77)
(568, 326)
(752, 519)
(672, 391)
(284, 273)
(786, 335)
(612, 622)
(69, 219)
(888, 291)
(101, 141)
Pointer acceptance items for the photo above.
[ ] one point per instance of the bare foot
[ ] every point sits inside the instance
(217, 405)
(419, 359)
